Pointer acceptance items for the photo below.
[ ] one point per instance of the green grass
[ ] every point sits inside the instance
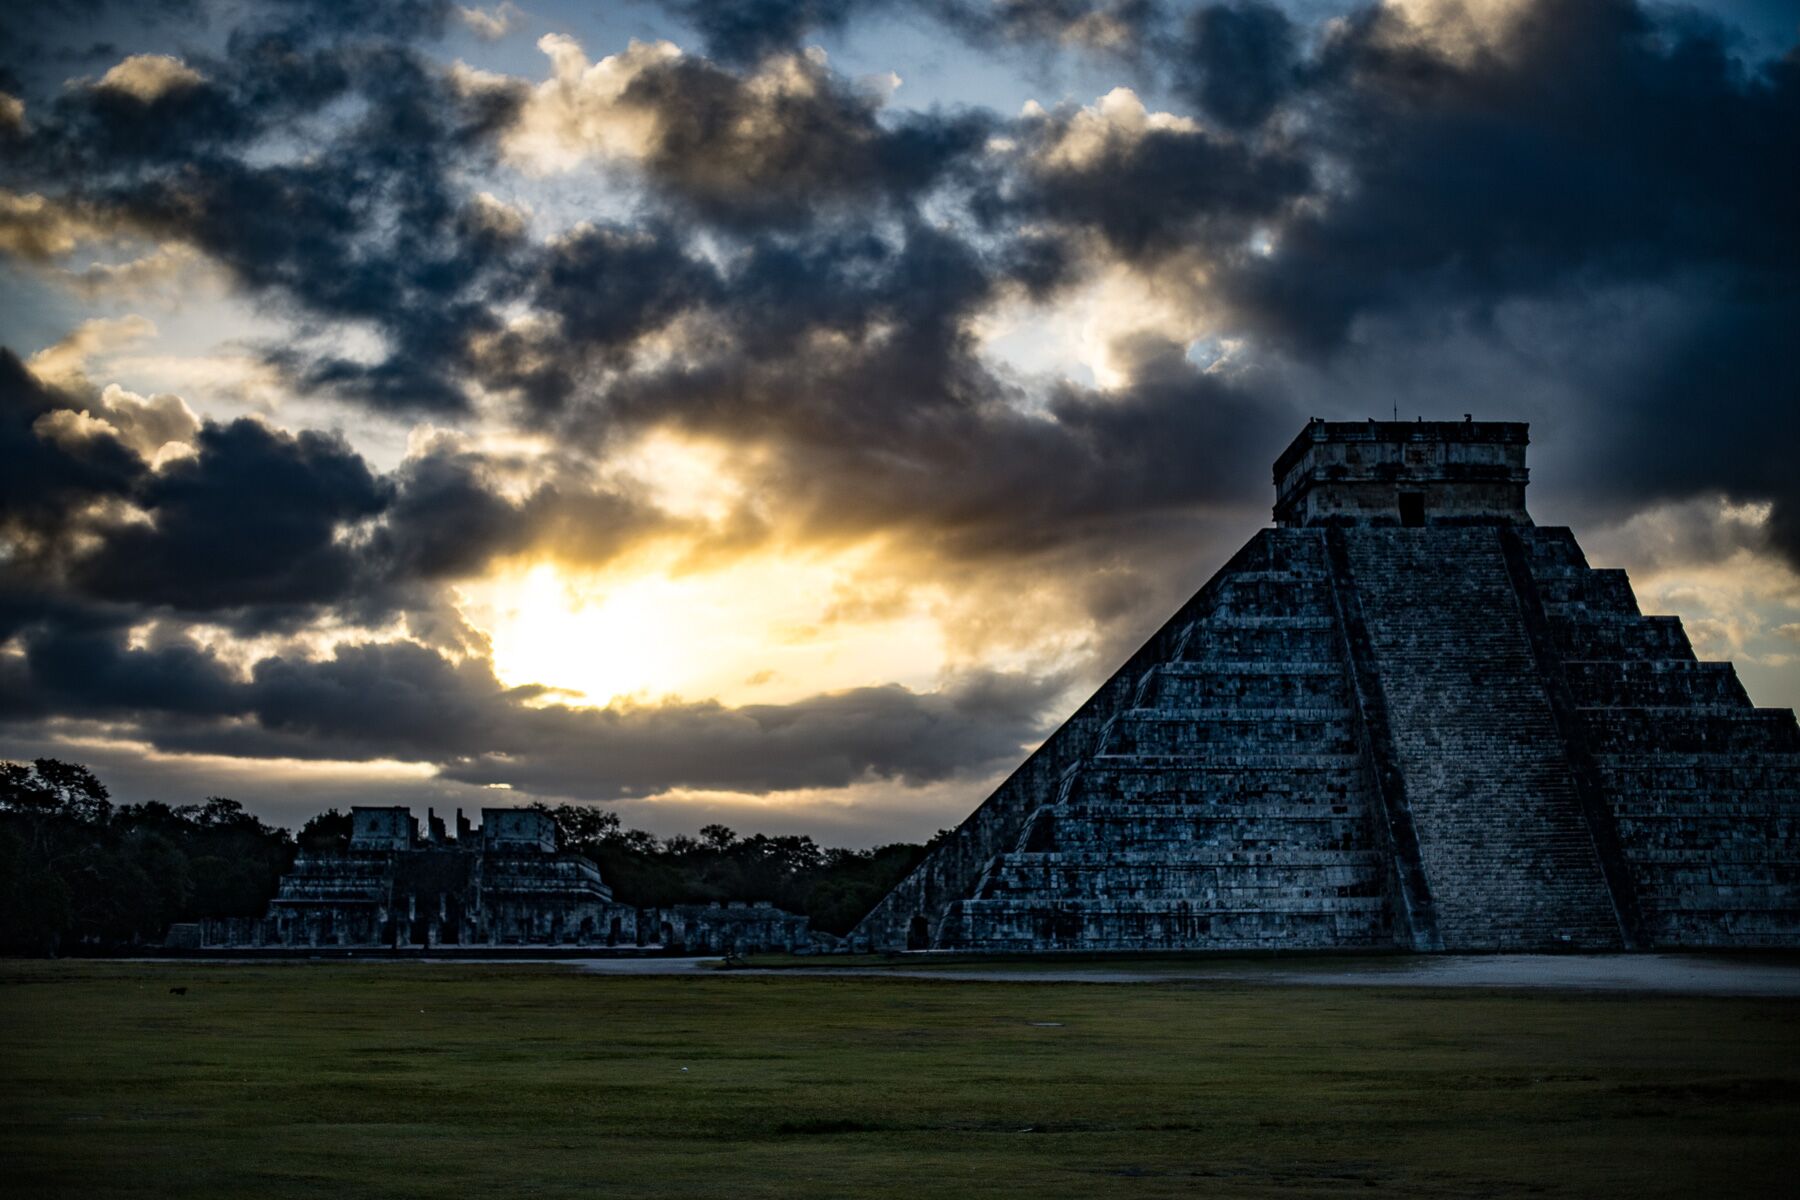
(358, 1080)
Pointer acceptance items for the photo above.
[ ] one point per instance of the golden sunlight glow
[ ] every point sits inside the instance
(757, 630)
(685, 477)
(1091, 330)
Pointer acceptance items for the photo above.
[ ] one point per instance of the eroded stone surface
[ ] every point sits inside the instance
(1404, 717)
(504, 884)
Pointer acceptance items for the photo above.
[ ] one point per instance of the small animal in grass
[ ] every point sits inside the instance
(177, 991)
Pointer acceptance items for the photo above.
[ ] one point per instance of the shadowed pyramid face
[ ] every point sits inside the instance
(1406, 717)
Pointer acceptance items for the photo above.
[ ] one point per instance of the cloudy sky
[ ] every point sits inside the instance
(784, 411)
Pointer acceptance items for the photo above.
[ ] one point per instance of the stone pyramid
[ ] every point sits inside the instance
(1404, 717)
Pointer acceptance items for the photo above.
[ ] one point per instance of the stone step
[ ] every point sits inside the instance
(1689, 728)
(1150, 906)
(1502, 839)
(1261, 599)
(1233, 760)
(1162, 790)
(1311, 714)
(1178, 832)
(1654, 683)
(1003, 925)
(1551, 545)
(1272, 891)
(1188, 858)
(1728, 864)
(1300, 668)
(1145, 731)
(1582, 634)
(1599, 591)
(1641, 769)
(1260, 691)
(1664, 819)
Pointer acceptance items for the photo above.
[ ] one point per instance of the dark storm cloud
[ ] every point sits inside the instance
(51, 490)
(744, 31)
(258, 528)
(47, 484)
(449, 520)
(252, 520)
(603, 288)
(370, 226)
(1597, 146)
(904, 429)
(917, 289)
(912, 288)
(1210, 191)
(1240, 60)
(607, 287)
(374, 230)
(1118, 28)
(974, 726)
(99, 126)
(1592, 144)
(339, 18)
(1715, 411)
(404, 701)
(87, 672)
(743, 155)
(79, 31)
(249, 528)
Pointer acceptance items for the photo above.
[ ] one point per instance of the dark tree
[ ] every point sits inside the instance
(835, 888)
(76, 872)
(327, 833)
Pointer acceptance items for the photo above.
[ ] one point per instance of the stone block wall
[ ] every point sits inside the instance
(475, 892)
(914, 912)
(1222, 804)
(1458, 738)
(1704, 788)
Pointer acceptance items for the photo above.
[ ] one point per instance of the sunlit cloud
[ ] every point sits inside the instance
(1119, 117)
(581, 110)
(492, 24)
(147, 77)
(66, 362)
(37, 229)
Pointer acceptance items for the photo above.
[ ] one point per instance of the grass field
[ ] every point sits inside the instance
(459, 1080)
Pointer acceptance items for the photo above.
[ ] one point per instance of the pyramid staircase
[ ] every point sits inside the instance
(1225, 803)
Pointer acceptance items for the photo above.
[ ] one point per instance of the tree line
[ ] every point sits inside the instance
(79, 873)
(834, 887)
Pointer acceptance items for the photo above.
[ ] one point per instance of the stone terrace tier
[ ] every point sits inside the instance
(1704, 789)
(1366, 731)
(1224, 804)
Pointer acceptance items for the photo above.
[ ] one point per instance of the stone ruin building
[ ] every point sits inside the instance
(1404, 717)
(504, 884)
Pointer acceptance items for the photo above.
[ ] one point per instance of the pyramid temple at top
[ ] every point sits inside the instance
(1403, 717)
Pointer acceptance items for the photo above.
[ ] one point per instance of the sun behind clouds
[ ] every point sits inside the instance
(762, 630)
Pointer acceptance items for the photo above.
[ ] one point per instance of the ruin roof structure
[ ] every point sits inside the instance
(504, 883)
(1403, 473)
(1404, 717)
